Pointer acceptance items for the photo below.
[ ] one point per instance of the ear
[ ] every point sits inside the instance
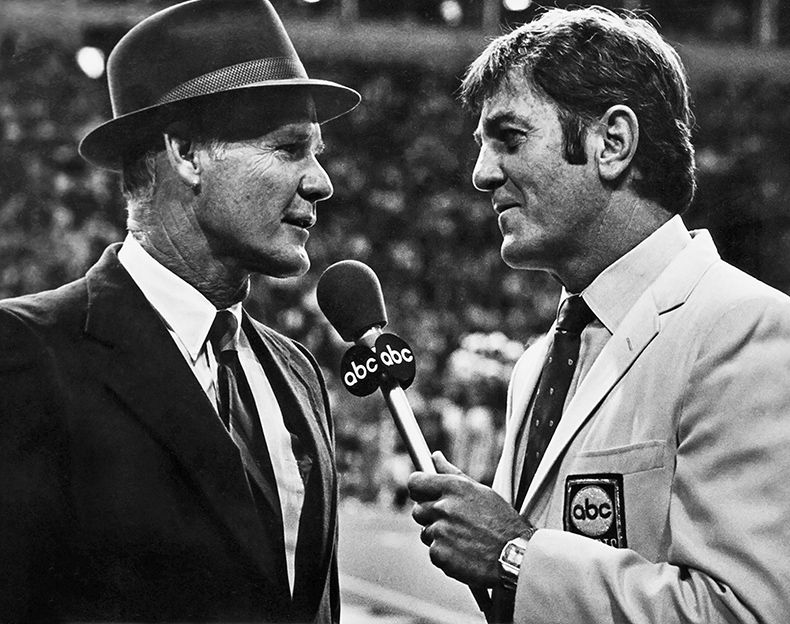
(619, 136)
(180, 150)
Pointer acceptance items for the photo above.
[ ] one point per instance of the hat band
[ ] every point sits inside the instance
(235, 76)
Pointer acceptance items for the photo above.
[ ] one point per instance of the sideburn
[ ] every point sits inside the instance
(574, 129)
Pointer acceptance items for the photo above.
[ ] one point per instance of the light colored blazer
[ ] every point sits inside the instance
(675, 449)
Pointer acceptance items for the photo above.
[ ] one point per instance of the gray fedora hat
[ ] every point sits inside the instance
(192, 50)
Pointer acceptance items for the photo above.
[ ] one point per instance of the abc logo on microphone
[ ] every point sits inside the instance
(362, 368)
(397, 358)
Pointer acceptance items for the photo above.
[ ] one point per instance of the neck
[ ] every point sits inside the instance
(614, 238)
(169, 230)
(221, 285)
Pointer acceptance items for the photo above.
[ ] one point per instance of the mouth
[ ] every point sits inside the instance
(301, 221)
(499, 208)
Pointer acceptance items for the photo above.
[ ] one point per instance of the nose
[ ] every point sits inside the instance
(488, 174)
(316, 185)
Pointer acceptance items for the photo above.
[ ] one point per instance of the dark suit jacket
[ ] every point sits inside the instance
(122, 497)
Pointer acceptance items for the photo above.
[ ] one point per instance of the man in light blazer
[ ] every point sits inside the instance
(163, 456)
(644, 470)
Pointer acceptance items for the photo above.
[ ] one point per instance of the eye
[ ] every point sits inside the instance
(300, 149)
(511, 138)
(292, 149)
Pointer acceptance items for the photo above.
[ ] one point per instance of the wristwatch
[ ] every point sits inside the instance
(511, 557)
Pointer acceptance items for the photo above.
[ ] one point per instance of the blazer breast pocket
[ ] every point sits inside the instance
(628, 459)
(620, 496)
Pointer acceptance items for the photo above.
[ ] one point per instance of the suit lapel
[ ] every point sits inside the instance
(525, 377)
(623, 348)
(640, 326)
(303, 410)
(138, 360)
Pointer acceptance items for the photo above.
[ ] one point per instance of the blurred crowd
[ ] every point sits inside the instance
(404, 204)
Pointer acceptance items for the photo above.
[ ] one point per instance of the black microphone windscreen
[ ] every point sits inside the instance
(349, 295)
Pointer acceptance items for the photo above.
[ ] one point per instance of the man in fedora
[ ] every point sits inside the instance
(164, 456)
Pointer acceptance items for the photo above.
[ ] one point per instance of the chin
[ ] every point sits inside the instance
(292, 263)
(511, 256)
(520, 258)
(288, 269)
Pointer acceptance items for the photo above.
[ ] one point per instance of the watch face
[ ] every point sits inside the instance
(514, 554)
(510, 562)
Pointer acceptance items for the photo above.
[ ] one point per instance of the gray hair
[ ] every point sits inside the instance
(138, 181)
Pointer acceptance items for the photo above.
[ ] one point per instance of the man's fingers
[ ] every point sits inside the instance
(425, 487)
(443, 466)
(423, 513)
(449, 480)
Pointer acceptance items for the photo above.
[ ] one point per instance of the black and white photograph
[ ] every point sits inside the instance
(395, 311)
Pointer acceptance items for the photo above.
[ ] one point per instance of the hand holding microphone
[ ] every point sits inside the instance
(349, 295)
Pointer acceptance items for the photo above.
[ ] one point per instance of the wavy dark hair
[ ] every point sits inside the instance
(586, 60)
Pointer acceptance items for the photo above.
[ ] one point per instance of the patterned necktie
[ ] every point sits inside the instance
(555, 380)
(237, 409)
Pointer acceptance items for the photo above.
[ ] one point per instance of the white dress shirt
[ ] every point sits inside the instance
(188, 316)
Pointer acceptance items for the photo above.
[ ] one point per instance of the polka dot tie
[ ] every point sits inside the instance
(555, 379)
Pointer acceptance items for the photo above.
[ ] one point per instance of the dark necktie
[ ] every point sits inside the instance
(555, 380)
(237, 410)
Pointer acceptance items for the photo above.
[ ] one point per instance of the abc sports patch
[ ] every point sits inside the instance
(594, 508)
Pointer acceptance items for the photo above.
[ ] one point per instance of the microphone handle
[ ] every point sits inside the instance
(420, 454)
(401, 411)
(407, 424)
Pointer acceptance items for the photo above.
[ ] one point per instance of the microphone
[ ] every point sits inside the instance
(349, 295)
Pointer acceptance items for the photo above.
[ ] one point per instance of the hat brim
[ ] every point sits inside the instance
(106, 145)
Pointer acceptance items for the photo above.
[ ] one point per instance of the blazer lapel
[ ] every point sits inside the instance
(620, 352)
(639, 327)
(522, 386)
(138, 360)
(303, 410)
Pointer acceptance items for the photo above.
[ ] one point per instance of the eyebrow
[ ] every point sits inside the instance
(492, 124)
(304, 136)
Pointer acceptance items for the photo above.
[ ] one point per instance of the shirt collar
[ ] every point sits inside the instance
(614, 292)
(185, 311)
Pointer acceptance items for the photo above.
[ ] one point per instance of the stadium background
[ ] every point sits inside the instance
(403, 203)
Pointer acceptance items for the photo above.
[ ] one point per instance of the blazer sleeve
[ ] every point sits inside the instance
(32, 505)
(730, 499)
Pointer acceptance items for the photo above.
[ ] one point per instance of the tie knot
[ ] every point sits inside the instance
(574, 315)
(222, 334)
